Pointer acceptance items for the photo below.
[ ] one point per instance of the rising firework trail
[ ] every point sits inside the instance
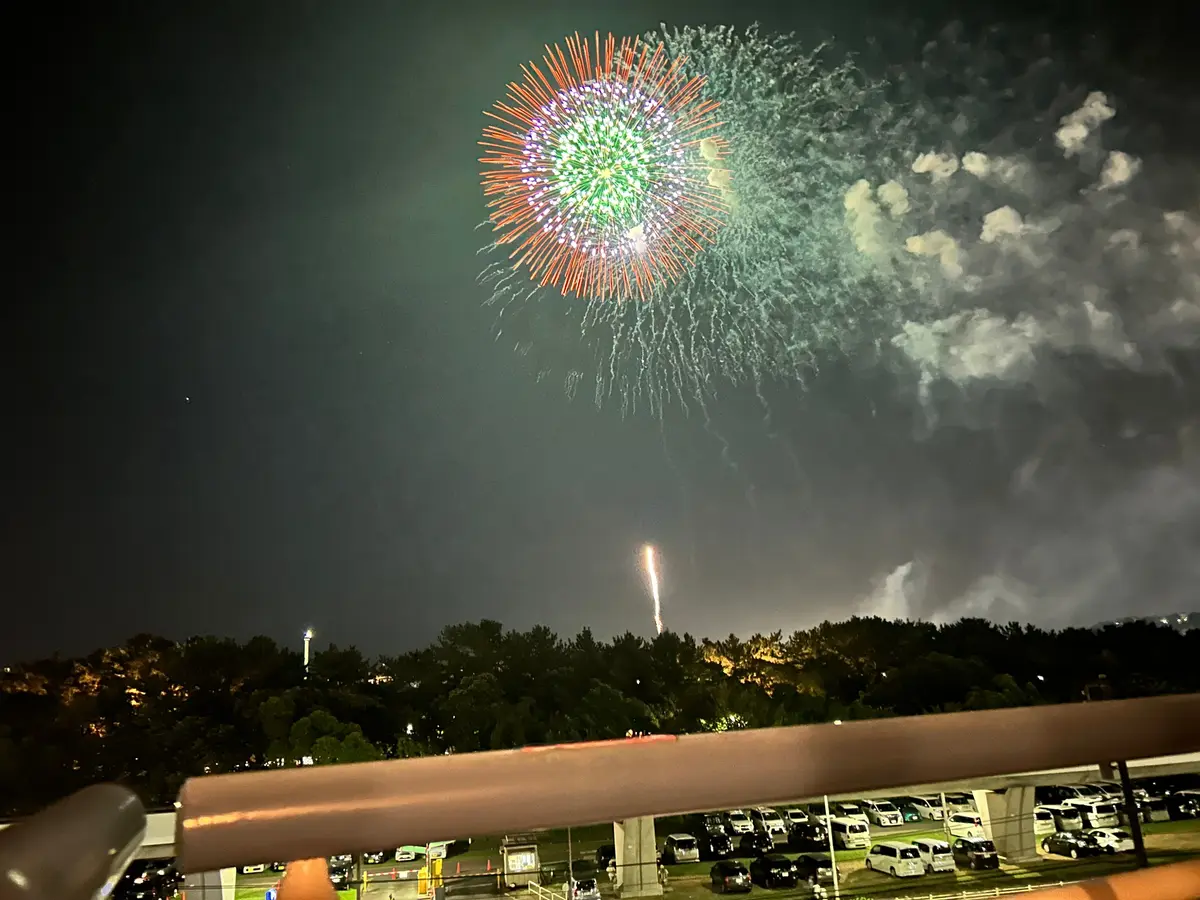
(652, 572)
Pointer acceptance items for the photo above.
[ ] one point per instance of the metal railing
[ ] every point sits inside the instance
(311, 813)
(541, 893)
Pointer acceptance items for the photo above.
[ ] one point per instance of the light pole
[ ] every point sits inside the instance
(308, 636)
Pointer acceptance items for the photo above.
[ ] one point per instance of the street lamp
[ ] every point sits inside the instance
(308, 636)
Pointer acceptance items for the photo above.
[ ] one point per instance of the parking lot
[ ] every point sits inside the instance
(474, 869)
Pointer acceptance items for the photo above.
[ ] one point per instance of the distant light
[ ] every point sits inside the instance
(1041, 678)
(837, 721)
(409, 728)
(308, 634)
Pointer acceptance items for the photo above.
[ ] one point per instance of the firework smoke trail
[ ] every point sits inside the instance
(652, 572)
(780, 284)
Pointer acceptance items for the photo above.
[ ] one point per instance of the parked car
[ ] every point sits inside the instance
(1071, 843)
(975, 853)
(253, 869)
(1184, 804)
(896, 859)
(584, 888)
(960, 802)
(850, 834)
(1112, 840)
(737, 822)
(808, 836)
(715, 846)
(768, 821)
(730, 877)
(795, 816)
(848, 810)
(935, 855)
(816, 812)
(755, 844)
(1043, 821)
(1096, 814)
(907, 811)
(814, 866)
(375, 857)
(1066, 818)
(705, 823)
(963, 824)
(773, 870)
(929, 807)
(341, 875)
(680, 848)
(1153, 809)
(882, 813)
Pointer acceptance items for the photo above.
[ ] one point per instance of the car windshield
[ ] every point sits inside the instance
(1044, 815)
(985, 846)
(1105, 809)
(850, 808)
(1120, 835)
(712, 822)
(884, 806)
(941, 851)
(857, 828)
(1069, 814)
(738, 817)
(685, 844)
(1087, 790)
(585, 884)
(909, 853)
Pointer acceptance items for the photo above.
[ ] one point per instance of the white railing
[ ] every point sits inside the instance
(541, 893)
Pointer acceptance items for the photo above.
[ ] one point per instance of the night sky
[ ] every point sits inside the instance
(255, 388)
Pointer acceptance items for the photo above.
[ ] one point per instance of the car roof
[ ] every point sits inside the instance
(974, 840)
(680, 836)
(933, 842)
(896, 845)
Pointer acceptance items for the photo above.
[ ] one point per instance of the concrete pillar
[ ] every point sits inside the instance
(211, 885)
(637, 858)
(1008, 821)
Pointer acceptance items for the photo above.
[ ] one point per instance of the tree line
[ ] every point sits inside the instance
(152, 712)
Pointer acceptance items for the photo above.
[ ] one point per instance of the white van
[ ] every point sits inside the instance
(767, 821)
(965, 824)
(935, 855)
(1066, 818)
(1043, 821)
(850, 834)
(883, 813)
(1102, 814)
(896, 859)
(928, 807)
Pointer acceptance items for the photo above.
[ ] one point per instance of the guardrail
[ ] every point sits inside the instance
(541, 893)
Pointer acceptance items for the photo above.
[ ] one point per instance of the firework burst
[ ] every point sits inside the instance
(605, 174)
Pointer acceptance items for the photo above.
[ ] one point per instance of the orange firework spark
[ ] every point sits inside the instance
(606, 177)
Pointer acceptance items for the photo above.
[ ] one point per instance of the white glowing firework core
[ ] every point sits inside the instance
(652, 572)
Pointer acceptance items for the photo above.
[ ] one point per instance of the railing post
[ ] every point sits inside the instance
(1132, 814)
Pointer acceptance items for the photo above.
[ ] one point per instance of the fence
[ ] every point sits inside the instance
(540, 893)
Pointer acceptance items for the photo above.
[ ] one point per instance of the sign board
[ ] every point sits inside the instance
(271, 893)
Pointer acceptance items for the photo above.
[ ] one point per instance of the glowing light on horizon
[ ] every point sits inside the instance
(652, 572)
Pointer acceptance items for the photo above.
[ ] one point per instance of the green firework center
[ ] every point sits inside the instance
(605, 170)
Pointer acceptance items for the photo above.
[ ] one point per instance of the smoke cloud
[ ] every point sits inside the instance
(1053, 265)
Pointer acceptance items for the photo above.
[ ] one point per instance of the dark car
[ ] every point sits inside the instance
(341, 875)
(705, 823)
(605, 854)
(808, 836)
(148, 879)
(818, 866)
(975, 853)
(773, 870)
(375, 857)
(1184, 804)
(1071, 843)
(908, 812)
(755, 844)
(730, 877)
(716, 846)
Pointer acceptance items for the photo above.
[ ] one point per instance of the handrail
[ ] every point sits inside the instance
(230, 820)
(71, 850)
